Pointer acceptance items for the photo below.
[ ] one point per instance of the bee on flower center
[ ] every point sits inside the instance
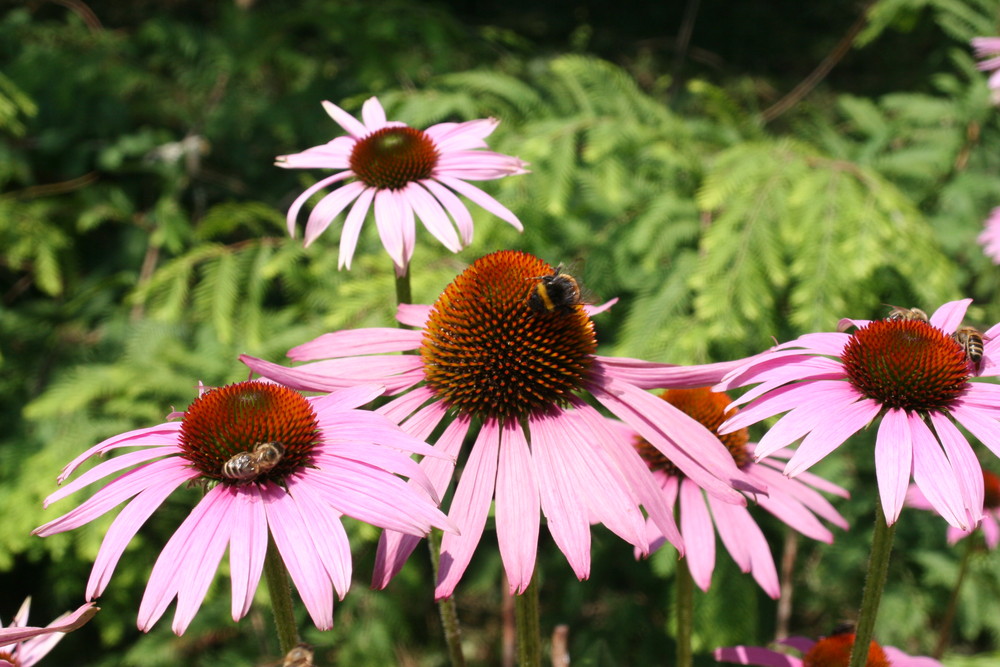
(898, 313)
(245, 466)
(972, 344)
(558, 292)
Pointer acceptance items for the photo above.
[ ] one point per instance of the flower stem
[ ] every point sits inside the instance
(949, 615)
(281, 597)
(529, 635)
(878, 569)
(403, 291)
(685, 613)
(447, 607)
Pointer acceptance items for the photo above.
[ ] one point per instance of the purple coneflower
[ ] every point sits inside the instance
(23, 646)
(831, 651)
(405, 172)
(912, 375)
(508, 349)
(796, 502)
(989, 48)
(991, 511)
(989, 238)
(331, 460)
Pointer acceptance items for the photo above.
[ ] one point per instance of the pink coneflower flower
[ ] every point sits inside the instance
(910, 374)
(330, 460)
(989, 48)
(508, 349)
(832, 651)
(405, 172)
(23, 646)
(989, 238)
(796, 502)
(991, 511)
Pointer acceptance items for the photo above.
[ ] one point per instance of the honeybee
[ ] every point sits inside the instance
(244, 466)
(898, 313)
(300, 656)
(558, 291)
(971, 341)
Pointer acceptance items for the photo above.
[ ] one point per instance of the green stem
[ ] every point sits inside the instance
(949, 615)
(529, 635)
(447, 607)
(878, 569)
(403, 292)
(281, 597)
(685, 613)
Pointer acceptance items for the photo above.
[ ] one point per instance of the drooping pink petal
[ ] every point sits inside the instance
(469, 508)
(648, 375)
(326, 532)
(108, 468)
(247, 548)
(462, 136)
(394, 372)
(390, 218)
(991, 531)
(413, 314)
(517, 507)
(328, 208)
(984, 428)
(893, 461)
(406, 407)
(456, 209)
(432, 215)
(813, 394)
(565, 516)
(334, 154)
(393, 547)
(291, 535)
(352, 228)
(932, 472)
(162, 435)
(698, 532)
(130, 520)
(373, 114)
(756, 655)
(293, 210)
(483, 199)
(65, 623)
(746, 543)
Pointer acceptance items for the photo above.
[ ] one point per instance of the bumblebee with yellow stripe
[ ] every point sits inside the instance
(557, 292)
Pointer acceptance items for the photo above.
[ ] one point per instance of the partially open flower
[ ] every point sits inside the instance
(832, 651)
(273, 462)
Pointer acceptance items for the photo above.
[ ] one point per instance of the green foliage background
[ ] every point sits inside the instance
(142, 248)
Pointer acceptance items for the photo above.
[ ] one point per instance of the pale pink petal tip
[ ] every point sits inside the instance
(65, 623)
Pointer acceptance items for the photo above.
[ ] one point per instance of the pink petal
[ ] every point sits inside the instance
(407, 406)
(461, 136)
(162, 435)
(300, 201)
(813, 394)
(395, 373)
(392, 218)
(326, 532)
(433, 217)
(756, 655)
(373, 114)
(968, 470)
(566, 519)
(393, 547)
(352, 228)
(984, 428)
(351, 342)
(456, 209)
(329, 207)
(343, 401)
(65, 623)
(949, 316)
(413, 314)
(517, 508)
(893, 462)
(933, 474)
(747, 545)
(647, 375)
(350, 124)
(110, 467)
(469, 508)
(130, 519)
(247, 548)
(291, 534)
(483, 199)
(698, 532)
(846, 420)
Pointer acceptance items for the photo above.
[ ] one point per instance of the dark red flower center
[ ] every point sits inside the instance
(249, 432)
(710, 409)
(835, 651)
(907, 364)
(392, 157)
(991, 489)
(488, 352)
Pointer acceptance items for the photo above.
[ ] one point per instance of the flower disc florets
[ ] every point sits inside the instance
(906, 364)
(710, 409)
(835, 651)
(238, 420)
(392, 157)
(487, 353)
